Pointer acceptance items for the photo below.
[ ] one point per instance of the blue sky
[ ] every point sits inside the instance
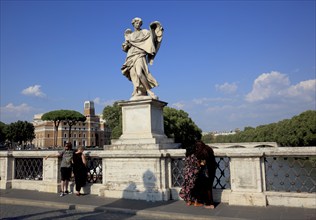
(228, 64)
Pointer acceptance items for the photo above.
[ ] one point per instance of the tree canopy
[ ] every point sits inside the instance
(2, 132)
(297, 131)
(72, 118)
(181, 127)
(20, 131)
(69, 116)
(113, 117)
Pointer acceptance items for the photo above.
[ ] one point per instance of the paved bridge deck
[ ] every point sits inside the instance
(165, 210)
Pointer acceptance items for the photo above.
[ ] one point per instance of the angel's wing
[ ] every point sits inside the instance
(156, 30)
(127, 33)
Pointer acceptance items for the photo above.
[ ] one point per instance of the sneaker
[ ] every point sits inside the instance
(67, 192)
(62, 194)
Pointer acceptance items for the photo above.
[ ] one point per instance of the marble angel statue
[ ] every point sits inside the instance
(141, 46)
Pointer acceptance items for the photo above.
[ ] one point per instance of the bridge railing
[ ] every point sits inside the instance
(259, 176)
(244, 176)
(222, 175)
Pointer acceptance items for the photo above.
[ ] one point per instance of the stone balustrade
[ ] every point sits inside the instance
(281, 176)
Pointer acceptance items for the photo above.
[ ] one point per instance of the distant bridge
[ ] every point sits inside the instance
(243, 145)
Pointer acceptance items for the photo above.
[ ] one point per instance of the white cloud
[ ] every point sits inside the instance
(16, 110)
(305, 90)
(268, 86)
(276, 86)
(178, 105)
(98, 101)
(34, 91)
(222, 108)
(205, 101)
(227, 88)
(11, 113)
(273, 98)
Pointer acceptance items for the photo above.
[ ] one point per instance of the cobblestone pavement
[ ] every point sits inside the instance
(43, 213)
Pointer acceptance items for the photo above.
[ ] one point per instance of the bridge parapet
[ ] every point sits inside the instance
(245, 176)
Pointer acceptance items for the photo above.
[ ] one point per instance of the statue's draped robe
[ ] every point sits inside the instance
(141, 45)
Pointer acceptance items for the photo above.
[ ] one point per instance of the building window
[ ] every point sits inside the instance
(65, 135)
(48, 135)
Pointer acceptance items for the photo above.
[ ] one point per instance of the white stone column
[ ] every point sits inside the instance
(51, 174)
(247, 179)
(6, 170)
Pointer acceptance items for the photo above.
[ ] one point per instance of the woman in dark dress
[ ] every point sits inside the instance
(204, 182)
(79, 169)
(190, 174)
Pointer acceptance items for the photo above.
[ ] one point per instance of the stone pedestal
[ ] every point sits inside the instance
(143, 126)
(137, 165)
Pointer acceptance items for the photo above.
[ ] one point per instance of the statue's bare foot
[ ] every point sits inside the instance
(152, 95)
(138, 92)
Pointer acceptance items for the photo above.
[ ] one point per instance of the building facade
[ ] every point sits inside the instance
(91, 133)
